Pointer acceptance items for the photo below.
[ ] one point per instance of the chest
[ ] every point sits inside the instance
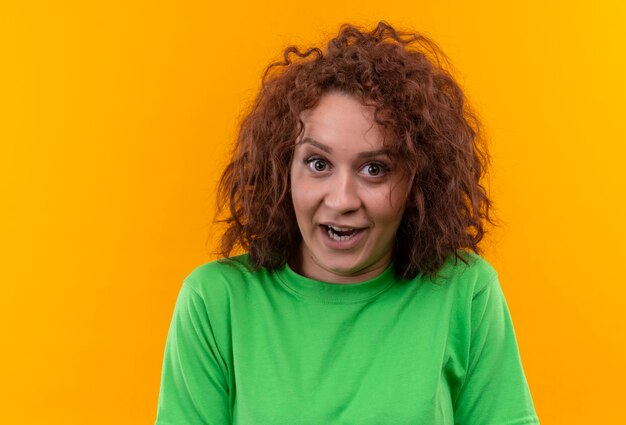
(337, 364)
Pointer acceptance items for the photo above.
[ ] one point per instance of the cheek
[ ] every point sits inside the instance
(386, 208)
(301, 198)
(304, 192)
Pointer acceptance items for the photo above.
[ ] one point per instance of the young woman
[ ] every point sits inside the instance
(355, 193)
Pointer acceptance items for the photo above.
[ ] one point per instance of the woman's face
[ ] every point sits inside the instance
(347, 194)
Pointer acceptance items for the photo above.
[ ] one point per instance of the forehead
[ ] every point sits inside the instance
(342, 121)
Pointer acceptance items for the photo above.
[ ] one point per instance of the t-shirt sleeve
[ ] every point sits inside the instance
(194, 390)
(495, 390)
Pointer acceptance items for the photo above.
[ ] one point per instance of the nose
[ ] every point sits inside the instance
(342, 194)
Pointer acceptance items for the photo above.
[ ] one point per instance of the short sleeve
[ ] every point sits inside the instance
(495, 390)
(194, 390)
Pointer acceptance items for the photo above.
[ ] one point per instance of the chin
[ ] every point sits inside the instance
(344, 267)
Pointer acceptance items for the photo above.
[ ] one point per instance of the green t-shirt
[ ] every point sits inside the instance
(257, 348)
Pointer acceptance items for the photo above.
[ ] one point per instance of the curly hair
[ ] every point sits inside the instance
(435, 140)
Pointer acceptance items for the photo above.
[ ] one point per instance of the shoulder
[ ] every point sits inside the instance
(224, 268)
(470, 271)
(215, 280)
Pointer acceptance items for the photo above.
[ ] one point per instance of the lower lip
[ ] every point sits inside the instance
(348, 244)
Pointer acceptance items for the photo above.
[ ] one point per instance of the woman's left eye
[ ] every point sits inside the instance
(375, 169)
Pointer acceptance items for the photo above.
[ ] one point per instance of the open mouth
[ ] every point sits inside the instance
(341, 234)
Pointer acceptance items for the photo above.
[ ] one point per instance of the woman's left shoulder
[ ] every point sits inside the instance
(467, 269)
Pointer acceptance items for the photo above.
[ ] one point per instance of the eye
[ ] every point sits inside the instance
(317, 164)
(375, 169)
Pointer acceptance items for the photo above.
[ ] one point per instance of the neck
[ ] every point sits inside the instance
(305, 264)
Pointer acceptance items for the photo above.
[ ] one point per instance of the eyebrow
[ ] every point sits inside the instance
(328, 149)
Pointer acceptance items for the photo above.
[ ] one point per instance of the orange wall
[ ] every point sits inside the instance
(116, 121)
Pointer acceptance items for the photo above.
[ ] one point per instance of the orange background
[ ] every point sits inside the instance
(116, 121)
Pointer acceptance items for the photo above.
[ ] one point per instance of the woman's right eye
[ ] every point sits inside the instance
(317, 164)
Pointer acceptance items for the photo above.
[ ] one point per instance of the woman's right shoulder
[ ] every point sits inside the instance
(217, 278)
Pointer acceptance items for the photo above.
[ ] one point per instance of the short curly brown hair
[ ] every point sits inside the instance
(435, 140)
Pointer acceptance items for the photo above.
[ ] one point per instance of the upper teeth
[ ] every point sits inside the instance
(340, 229)
(333, 233)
